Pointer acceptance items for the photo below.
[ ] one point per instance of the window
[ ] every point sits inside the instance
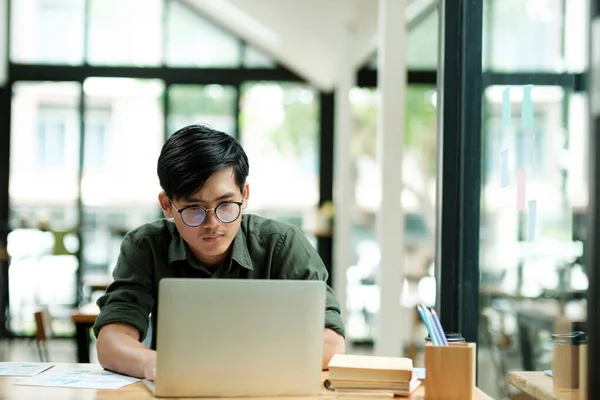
(193, 41)
(43, 187)
(124, 134)
(51, 144)
(96, 143)
(213, 105)
(530, 35)
(125, 32)
(417, 201)
(255, 58)
(421, 44)
(279, 127)
(47, 31)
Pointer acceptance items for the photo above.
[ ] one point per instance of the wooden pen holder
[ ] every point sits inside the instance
(450, 371)
(566, 359)
(565, 366)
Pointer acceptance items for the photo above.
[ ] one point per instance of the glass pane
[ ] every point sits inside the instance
(118, 37)
(213, 105)
(523, 35)
(193, 41)
(119, 187)
(43, 191)
(47, 31)
(418, 202)
(255, 58)
(534, 196)
(279, 126)
(421, 45)
(576, 35)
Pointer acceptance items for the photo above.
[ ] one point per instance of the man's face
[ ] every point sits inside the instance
(211, 241)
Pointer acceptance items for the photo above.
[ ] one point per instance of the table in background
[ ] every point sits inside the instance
(84, 318)
(539, 386)
(138, 391)
(544, 315)
(97, 282)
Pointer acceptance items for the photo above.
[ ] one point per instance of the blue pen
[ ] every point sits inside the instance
(429, 325)
(438, 325)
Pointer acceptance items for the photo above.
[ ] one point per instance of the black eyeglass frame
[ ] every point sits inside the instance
(206, 210)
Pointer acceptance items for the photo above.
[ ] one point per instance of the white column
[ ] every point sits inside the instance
(392, 85)
(3, 42)
(343, 190)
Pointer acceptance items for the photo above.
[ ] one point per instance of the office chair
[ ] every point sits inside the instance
(43, 324)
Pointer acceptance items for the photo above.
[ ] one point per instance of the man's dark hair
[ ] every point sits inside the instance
(192, 154)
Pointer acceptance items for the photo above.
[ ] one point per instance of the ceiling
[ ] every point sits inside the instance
(308, 36)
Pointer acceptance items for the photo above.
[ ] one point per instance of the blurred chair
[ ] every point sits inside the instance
(43, 325)
(500, 338)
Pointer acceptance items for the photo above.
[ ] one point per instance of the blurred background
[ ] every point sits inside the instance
(96, 87)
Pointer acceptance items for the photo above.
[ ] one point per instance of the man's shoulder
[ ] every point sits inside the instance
(160, 229)
(255, 225)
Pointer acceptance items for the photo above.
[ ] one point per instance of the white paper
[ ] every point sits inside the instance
(80, 378)
(22, 368)
(420, 373)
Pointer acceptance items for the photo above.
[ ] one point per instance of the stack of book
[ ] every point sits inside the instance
(374, 375)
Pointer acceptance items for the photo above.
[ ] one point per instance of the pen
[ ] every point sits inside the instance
(438, 326)
(428, 321)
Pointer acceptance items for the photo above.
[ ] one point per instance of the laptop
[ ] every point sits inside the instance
(232, 338)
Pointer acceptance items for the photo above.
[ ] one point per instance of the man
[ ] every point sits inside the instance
(203, 174)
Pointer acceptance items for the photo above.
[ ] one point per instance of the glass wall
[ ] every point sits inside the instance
(279, 125)
(421, 42)
(47, 32)
(534, 187)
(418, 203)
(123, 134)
(43, 189)
(213, 105)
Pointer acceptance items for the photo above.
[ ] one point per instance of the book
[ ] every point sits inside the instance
(334, 385)
(374, 388)
(370, 375)
(345, 367)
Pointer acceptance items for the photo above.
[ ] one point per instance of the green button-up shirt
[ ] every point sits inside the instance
(262, 249)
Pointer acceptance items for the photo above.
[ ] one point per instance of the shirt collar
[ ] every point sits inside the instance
(239, 252)
(179, 250)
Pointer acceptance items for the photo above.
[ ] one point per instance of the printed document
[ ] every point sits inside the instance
(23, 368)
(89, 378)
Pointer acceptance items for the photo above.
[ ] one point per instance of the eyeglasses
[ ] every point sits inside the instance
(226, 212)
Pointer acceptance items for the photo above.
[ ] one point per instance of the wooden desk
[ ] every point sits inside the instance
(539, 386)
(84, 318)
(138, 391)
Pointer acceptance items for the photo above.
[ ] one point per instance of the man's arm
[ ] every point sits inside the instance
(124, 313)
(298, 259)
(120, 350)
(333, 344)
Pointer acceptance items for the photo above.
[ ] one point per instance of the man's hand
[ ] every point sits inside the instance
(150, 368)
(333, 344)
(119, 350)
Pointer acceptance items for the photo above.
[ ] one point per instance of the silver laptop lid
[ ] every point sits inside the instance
(223, 337)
